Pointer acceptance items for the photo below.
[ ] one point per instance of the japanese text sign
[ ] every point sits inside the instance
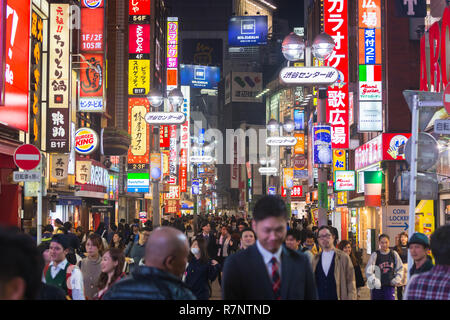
(344, 180)
(92, 33)
(139, 39)
(139, 130)
(138, 77)
(336, 25)
(37, 24)
(369, 14)
(139, 7)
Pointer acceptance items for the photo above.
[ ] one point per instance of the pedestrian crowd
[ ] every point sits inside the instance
(268, 257)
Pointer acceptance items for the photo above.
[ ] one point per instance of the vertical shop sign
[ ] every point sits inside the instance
(91, 84)
(15, 67)
(172, 53)
(92, 33)
(58, 119)
(185, 138)
(37, 25)
(299, 148)
(139, 11)
(336, 25)
(370, 67)
(2, 50)
(139, 131)
(173, 155)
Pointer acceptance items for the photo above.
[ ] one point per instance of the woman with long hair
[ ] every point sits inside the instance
(116, 241)
(346, 246)
(401, 247)
(112, 271)
(200, 270)
(90, 266)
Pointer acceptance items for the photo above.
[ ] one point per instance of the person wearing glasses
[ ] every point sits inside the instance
(333, 269)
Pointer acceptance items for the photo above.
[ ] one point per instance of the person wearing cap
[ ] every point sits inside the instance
(418, 246)
(60, 273)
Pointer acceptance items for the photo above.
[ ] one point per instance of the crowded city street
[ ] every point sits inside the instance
(210, 153)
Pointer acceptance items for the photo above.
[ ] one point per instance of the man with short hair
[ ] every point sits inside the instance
(60, 273)
(418, 247)
(135, 251)
(333, 269)
(434, 284)
(211, 241)
(267, 270)
(166, 255)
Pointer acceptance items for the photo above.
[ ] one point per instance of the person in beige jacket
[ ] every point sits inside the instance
(333, 270)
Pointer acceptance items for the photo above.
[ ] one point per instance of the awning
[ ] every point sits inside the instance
(356, 202)
(69, 201)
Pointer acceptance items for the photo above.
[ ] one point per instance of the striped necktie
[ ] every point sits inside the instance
(276, 281)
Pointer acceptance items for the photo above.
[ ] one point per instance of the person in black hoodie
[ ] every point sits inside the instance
(346, 246)
(200, 270)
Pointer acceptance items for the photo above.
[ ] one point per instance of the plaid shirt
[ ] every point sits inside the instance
(431, 285)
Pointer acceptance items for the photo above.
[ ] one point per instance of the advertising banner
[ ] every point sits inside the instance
(200, 76)
(369, 153)
(339, 160)
(370, 46)
(299, 148)
(155, 165)
(92, 4)
(139, 131)
(139, 39)
(58, 119)
(92, 24)
(173, 155)
(299, 119)
(185, 138)
(138, 77)
(288, 177)
(138, 182)
(207, 52)
(370, 90)
(164, 138)
(174, 193)
(245, 86)
(36, 79)
(139, 7)
(91, 84)
(336, 25)
(2, 49)
(391, 144)
(344, 180)
(297, 191)
(247, 31)
(15, 56)
(322, 145)
(370, 116)
(172, 53)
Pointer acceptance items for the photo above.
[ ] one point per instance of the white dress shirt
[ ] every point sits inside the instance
(267, 256)
(76, 279)
(327, 258)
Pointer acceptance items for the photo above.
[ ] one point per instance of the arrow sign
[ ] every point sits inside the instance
(401, 226)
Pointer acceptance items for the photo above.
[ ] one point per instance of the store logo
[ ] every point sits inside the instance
(200, 73)
(394, 145)
(92, 4)
(86, 141)
(248, 26)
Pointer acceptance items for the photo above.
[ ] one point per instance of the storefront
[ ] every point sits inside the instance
(93, 180)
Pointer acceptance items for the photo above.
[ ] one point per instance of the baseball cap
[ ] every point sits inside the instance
(419, 238)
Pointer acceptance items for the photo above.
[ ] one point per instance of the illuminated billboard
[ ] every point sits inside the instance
(247, 31)
(200, 76)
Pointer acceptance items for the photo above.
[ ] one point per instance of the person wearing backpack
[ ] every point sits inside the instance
(384, 271)
(60, 273)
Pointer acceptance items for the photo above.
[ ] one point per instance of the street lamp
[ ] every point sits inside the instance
(293, 47)
(176, 98)
(156, 99)
(322, 48)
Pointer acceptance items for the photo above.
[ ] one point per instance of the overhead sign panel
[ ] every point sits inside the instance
(200, 76)
(138, 182)
(309, 75)
(247, 31)
(245, 86)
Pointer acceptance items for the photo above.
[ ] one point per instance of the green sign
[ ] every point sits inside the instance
(323, 195)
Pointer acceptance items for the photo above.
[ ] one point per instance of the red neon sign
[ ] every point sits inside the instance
(336, 25)
(14, 113)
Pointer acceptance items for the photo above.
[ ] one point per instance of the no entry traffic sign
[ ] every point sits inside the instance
(27, 157)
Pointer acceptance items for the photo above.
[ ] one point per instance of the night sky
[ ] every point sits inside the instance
(291, 10)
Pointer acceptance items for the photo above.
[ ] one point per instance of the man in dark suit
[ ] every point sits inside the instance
(211, 240)
(267, 270)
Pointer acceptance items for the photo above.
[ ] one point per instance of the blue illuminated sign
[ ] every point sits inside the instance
(200, 76)
(299, 119)
(369, 45)
(247, 31)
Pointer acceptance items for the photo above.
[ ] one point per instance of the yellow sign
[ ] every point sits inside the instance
(425, 217)
(299, 64)
(138, 77)
(339, 160)
(342, 198)
(299, 148)
(288, 174)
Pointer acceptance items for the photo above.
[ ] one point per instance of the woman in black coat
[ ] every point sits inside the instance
(200, 270)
